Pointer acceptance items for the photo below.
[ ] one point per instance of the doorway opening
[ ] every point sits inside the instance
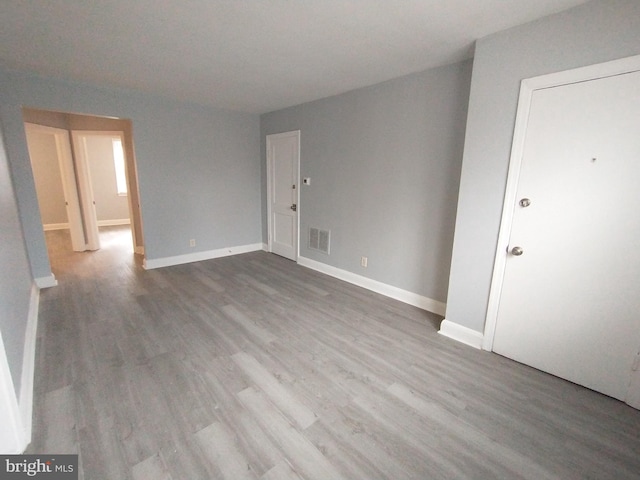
(86, 182)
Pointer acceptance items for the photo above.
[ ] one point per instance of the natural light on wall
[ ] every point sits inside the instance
(118, 160)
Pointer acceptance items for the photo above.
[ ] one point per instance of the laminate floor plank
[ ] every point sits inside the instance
(279, 395)
(251, 326)
(250, 366)
(218, 443)
(152, 468)
(308, 461)
(282, 471)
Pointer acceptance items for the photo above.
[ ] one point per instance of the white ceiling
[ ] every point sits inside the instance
(250, 55)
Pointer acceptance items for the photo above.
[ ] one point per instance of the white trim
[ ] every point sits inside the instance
(139, 249)
(101, 223)
(68, 182)
(396, 293)
(269, 184)
(149, 264)
(55, 226)
(85, 187)
(11, 434)
(527, 87)
(461, 333)
(112, 223)
(584, 74)
(28, 365)
(46, 282)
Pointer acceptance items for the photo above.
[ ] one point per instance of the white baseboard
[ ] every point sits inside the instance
(46, 282)
(101, 223)
(55, 226)
(149, 264)
(396, 293)
(113, 223)
(461, 333)
(29, 365)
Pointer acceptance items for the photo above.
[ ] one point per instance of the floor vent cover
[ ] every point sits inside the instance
(319, 240)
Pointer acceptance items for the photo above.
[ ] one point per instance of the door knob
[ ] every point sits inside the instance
(517, 251)
(525, 202)
(294, 207)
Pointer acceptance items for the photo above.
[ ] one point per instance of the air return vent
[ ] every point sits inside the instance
(319, 240)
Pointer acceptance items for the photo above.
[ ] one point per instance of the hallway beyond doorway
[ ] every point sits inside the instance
(116, 251)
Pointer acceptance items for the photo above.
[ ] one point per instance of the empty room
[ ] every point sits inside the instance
(330, 239)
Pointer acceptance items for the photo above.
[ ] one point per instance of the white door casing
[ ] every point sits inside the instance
(133, 196)
(283, 165)
(67, 172)
(567, 305)
(86, 190)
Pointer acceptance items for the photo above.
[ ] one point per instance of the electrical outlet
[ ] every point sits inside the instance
(192, 242)
(363, 262)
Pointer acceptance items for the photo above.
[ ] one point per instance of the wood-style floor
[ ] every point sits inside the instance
(251, 367)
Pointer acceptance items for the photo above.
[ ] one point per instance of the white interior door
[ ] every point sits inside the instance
(67, 173)
(87, 199)
(569, 303)
(283, 160)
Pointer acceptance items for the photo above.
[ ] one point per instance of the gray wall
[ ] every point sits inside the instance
(593, 33)
(109, 205)
(15, 281)
(198, 167)
(384, 163)
(47, 176)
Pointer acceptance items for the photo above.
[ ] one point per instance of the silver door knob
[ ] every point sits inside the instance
(517, 251)
(525, 202)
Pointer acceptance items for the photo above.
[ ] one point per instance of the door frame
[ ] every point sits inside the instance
(527, 87)
(87, 199)
(84, 179)
(69, 188)
(270, 185)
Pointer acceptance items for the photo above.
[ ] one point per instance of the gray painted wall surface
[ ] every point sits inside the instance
(47, 177)
(198, 167)
(109, 205)
(384, 163)
(15, 281)
(593, 33)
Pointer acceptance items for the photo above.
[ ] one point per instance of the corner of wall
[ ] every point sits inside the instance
(16, 411)
(29, 365)
(46, 282)
(461, 334)
(11, 434)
